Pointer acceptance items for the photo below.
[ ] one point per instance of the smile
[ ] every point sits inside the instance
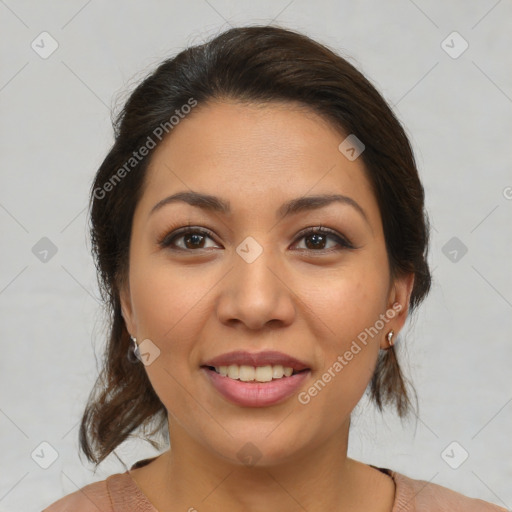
(255, 373)
(249, 386)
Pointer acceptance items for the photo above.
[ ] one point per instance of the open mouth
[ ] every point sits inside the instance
(256, 374)
(256, 386)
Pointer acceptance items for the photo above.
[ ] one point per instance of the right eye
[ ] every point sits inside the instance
(193, 239)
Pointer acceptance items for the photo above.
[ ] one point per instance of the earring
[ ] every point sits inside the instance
(135, 346)
(389, 337)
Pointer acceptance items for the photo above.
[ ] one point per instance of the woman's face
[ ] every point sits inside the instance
(257, 282)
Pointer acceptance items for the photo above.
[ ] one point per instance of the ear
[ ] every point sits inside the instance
(399, 297)
(127, 310)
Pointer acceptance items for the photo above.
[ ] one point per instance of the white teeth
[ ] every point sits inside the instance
(277, 371)
(247, 373)
(263, 374)
(233, 371)
(251, 373)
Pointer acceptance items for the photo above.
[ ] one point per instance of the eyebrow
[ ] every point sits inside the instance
(292, 207)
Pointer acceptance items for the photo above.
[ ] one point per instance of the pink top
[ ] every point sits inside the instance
(120, 493)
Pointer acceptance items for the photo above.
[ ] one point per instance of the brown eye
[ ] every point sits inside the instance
(192, 239)
(317, 239)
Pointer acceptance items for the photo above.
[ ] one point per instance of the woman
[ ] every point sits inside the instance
(260, 237)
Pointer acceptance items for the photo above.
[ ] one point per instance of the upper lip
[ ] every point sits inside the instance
(264, 358)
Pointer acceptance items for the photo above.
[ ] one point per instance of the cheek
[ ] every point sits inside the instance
(349, 309)
(350, 301)
(167, 302)
(165, 297)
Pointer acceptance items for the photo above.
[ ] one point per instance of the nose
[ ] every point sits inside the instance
(256, 293)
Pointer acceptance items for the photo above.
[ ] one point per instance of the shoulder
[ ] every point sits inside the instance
(423, 496)
(90, 498)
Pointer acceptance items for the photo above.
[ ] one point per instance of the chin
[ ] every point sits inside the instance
(255, 447)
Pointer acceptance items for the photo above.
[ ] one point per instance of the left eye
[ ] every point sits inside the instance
(320, 235)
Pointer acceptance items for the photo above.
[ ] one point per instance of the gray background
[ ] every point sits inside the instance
(55, 131)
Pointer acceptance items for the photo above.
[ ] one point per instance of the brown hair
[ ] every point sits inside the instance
(253, 64)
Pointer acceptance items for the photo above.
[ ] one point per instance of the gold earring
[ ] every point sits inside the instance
(389, 337)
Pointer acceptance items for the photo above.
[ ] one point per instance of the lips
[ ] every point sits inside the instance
(256, 394)
(265, 358)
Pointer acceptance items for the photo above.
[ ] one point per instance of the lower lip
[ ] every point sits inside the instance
(256, 394)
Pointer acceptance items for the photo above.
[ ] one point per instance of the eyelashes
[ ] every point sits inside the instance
(195, 238)
(169, 241)
(325, 233)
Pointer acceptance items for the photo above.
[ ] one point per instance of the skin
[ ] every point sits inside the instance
(302, 300)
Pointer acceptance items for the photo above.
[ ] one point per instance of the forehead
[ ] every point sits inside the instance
(250, 153)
